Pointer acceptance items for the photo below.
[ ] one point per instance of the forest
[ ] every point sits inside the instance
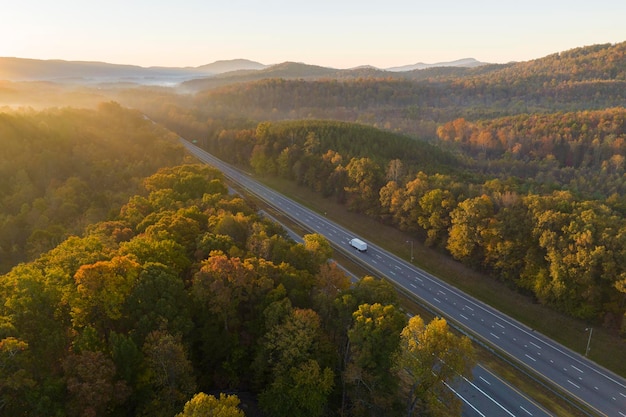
(136, 285)
(455, 157)
(564, 249)
(63, 169)
(188, 292)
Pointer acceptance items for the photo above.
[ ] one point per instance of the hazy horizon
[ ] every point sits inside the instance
(346, 34)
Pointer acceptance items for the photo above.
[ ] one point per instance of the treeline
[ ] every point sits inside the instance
(582, 64)
(269, 140)
(189, 292)
(62, 169)
(413, 103)
(580, 151)
(565, 251)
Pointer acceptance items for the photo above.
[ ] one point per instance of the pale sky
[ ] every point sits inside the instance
(331, 33)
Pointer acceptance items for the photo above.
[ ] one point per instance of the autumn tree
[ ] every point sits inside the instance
(581, 245)
(34, 312)
(366, 178)
(369, 387)
(470, 221)
(432, 357)
(16, 377)
(319, 247)
(91, 384)
(224, 284)
(228, 295)
(158, 301)
(203, 405)
(434, 216)
(187, 181)
(391, 201)
(151, 249)
(299, 383)
(169, 374)
(330, 282)
(103, 288)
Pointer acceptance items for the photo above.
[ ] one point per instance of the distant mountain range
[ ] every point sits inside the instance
(465, 63)
(22, 69)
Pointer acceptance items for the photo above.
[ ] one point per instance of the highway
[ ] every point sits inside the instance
(600, 389)
(487, 395)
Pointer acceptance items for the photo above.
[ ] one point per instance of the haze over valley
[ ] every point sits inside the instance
(22, 69)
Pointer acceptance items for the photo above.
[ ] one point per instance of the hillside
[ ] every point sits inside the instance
(463, 63)
(61, 170)
(78, 72)
(285, 70)
(413, 102)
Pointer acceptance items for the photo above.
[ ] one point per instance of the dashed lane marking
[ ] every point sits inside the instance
(573, 384)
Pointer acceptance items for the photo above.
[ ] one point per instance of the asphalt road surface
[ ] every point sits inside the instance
(602, 390)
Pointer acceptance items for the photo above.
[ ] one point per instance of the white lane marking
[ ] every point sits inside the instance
(464, 400)
(469, 308)
(488, 396)
(579, 370)
(622, 413)
(437, 300)
(497, 337)
(498, 324)
(529, 413)
(535, 345)
(488, 383)
(573, 384)
(413, 285)
(622, 394)
(530, 357)
(392, 273)
(463, 316)
(419, 279)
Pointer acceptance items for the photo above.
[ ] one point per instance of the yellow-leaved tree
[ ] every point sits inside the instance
(431, 357)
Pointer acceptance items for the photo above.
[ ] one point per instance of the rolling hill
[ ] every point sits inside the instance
(21, 69)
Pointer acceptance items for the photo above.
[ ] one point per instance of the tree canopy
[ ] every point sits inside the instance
(186, 291)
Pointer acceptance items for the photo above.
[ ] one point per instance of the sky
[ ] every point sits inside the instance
(330, 33)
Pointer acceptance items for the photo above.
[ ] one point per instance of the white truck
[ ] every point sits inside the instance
(358, 244)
